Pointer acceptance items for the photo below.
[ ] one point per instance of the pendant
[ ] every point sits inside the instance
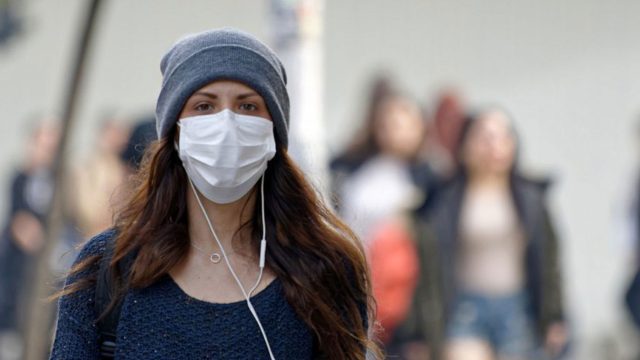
(215, 258)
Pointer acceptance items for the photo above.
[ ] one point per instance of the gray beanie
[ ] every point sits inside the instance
(202, 58)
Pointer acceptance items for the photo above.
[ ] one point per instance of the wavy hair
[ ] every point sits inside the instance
(319, 260)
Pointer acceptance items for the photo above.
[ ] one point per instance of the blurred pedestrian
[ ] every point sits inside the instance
(381, 177)
(444, 132)
(386, 154)
(224, 250)
(490, 270)
(632, 297)
(632, 294)
(24, 233)
(142, 135)
(96, 182)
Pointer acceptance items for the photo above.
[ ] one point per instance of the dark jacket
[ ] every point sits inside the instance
(437, 241)
(30, 194)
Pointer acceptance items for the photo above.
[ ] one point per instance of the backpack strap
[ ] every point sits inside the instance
(106, 287)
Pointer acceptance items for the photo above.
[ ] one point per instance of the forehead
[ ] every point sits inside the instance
(226, 87)
(401, 104)
(494, 121)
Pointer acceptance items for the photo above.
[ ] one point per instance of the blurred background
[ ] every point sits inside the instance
(568, 74)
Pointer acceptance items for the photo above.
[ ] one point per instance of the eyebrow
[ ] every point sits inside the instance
(247, 95)
(207, 94)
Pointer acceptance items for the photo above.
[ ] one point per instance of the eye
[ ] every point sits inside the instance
(248, 107)
(203, 107)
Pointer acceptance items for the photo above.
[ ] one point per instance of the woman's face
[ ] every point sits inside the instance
(44, 144)
(225, 95)
(490, 146)
(400, 129)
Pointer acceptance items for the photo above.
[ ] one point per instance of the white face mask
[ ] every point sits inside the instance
(225, 153)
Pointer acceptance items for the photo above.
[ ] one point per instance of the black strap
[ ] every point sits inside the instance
(106, 288)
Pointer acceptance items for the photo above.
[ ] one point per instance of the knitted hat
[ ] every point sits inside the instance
(229, 54)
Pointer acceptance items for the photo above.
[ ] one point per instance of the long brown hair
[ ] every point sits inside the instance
(319, 260)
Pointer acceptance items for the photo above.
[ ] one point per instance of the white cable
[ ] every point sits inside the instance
(263, 243)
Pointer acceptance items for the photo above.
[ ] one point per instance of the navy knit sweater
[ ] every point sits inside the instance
(163, 322)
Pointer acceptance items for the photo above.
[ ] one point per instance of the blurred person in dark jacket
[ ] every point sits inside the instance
(632, 294)
(489, 284)
(24, 233)
(142, 134)
(378, 180)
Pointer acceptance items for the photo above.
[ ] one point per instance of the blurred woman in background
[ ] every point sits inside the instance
(378, 180)
(489, 283)
(97, 180)
(383, 170)
(24, 233)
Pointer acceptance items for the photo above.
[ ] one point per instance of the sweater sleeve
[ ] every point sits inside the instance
(76, 334)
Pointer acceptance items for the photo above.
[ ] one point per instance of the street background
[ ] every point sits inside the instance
(568, 71)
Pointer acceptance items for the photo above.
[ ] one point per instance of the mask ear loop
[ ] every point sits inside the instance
(263, 249)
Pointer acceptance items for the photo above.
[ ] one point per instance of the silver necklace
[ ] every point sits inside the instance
(215, 257)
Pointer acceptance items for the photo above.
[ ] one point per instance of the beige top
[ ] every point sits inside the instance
(95, 192)
(491, 254)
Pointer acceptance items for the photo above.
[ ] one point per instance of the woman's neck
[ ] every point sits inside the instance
(226, 220)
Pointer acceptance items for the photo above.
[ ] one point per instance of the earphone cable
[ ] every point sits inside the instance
(226, 259)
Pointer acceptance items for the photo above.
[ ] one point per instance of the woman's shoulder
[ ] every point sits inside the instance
(97, 245)
(532, 192)
(539, 182)
(87, 262)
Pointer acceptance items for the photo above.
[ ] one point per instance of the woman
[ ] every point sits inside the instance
(489, 257)
(380, 177)
(23, 235)
(228, 251)
(387, 155)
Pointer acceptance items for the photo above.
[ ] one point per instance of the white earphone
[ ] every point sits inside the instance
(263, 251)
